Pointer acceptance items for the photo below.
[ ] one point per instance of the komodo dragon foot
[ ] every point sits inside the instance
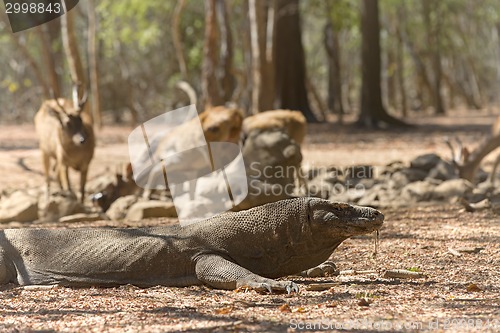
(219, 272)
(327, 268)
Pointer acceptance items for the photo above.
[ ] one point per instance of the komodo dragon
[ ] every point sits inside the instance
(247, 248)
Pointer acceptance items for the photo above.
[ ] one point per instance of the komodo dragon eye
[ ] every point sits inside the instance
(330, 216)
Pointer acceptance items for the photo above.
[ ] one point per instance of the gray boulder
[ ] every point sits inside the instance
(425, 162)
(418, 191)
(118, 209)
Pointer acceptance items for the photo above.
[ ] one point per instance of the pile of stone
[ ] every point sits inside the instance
(427, 179)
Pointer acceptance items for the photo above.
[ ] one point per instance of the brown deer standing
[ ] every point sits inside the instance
(467, 162)
(65, 137)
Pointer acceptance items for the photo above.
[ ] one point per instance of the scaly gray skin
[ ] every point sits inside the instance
(248, 248)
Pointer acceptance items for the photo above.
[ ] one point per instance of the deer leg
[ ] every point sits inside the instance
(64, 177)
(46, 170)
(83, 180)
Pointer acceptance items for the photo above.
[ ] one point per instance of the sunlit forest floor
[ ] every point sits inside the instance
(459, 292)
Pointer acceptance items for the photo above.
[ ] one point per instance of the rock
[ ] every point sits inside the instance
(482, 191)
(81, 217)
(320, 188)
(378, 196)
(414, 175)
(118, 209)
(60, 204)
(349, 195)
(418, 191)
(359, 172)
(481, 176)
(425, 162)
(313, 172)
(371, 199)
(443, 171)
(152, 208)
(391, 168)
(367, 183)
(18, 206)
(398, 180)
(452, 188)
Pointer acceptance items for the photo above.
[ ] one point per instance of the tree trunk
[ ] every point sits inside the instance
(93, 65)
(267, 64)
(210, 86)
(255, 19)
(391, 69)
(433, 28)
(331, 42)
(73, 56)
(225, 70)
(400, 64)
(261, 26)
(373, 113)
(421, 77)
(48, 60)
(217, 79)
(290, 68)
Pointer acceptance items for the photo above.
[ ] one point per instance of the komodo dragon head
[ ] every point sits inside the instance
(342, 219)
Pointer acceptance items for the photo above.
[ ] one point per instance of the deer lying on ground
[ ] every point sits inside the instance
(66, 137)
(467, 162)
(123, 185)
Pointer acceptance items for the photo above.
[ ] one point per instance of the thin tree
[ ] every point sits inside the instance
(373, 113)
(93, 64)
(331, 42)
(73, 56)
(433, 31)
(217, 81)
(261, 32)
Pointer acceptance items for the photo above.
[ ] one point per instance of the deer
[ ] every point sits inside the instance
(65, 137)
(467, 162)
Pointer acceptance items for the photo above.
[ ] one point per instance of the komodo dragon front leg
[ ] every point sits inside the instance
(221, 273)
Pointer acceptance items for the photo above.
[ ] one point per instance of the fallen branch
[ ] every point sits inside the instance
(354, 272)
(402, 274)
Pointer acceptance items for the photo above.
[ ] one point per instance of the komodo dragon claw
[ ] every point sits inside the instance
(292, 287)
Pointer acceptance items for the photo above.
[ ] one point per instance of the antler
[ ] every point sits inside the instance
(78, 104)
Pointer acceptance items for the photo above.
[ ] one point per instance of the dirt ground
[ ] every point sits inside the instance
(458, 293)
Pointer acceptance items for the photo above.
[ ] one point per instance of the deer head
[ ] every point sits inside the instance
(69, 115)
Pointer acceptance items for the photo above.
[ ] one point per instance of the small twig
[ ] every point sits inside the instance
(354, 272)
(402, 274)
(454, 252)
(321, 286)
(40, 287)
